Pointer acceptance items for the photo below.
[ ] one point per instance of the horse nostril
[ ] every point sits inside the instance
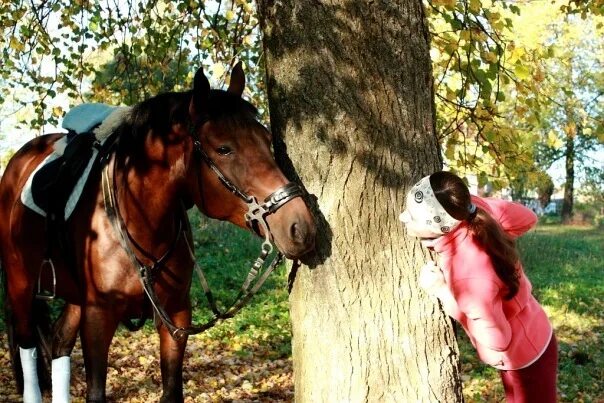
(297, 232)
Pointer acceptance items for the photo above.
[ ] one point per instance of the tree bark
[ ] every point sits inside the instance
(351, 105)
(569, 154)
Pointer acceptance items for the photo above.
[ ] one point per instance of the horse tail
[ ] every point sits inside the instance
(43, 326)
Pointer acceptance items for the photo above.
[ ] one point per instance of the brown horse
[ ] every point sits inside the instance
(203, 147)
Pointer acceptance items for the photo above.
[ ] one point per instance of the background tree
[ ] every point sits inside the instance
(558, 107)
(572, 121)
(472, 79)
(593, 193)
(504, 83)
(350, 94)
(537, 180)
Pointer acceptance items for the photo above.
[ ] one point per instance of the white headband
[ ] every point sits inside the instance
(424, 206)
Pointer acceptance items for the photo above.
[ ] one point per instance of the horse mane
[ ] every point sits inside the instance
(159, 113)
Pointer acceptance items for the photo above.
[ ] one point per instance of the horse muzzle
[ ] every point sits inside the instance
(284, 217)
(293, 229)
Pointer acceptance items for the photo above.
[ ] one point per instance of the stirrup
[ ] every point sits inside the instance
(44, 294)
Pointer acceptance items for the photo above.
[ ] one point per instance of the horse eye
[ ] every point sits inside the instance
(224, 150)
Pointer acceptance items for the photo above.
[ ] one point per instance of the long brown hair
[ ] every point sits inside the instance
(453, 194)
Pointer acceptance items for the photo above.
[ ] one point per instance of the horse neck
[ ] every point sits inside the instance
(149, 203)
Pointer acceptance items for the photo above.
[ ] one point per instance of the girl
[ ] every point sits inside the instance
(480, 281)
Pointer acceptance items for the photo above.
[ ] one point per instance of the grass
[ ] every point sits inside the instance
(564, 264)
(226, 254)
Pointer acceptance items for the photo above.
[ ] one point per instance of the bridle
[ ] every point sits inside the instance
(256, 215)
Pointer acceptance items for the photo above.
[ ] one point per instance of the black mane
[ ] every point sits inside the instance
(164, 110)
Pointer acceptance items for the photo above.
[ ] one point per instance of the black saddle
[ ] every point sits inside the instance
(53, 183)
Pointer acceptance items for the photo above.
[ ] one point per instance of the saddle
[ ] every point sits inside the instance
(54, 188)
(53, 183)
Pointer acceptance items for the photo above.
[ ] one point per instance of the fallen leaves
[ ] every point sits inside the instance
(213, 372)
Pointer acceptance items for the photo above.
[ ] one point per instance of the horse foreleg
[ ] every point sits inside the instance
(97, 329)
(171, 356)
(65, 335)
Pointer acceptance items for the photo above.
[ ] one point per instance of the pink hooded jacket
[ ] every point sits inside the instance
(508, 334)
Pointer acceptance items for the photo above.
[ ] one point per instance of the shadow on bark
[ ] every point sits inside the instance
(324, 232)
(365, 117)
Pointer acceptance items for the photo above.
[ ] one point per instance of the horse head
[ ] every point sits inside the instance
(236, 177)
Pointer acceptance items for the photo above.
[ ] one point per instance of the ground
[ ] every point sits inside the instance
(248, 358)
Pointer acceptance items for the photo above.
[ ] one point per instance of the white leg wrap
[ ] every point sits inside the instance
(31, 388)
(61, 375)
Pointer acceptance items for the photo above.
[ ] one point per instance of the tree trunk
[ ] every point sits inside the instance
(351, 103)
(567, 203)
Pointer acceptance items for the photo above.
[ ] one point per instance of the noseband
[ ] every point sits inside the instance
(256, 213)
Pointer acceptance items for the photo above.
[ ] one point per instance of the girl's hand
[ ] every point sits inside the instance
(431, 277)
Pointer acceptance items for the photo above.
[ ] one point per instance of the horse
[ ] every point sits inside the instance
(203, 147)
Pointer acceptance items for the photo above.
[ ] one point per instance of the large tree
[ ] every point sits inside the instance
(352, 107)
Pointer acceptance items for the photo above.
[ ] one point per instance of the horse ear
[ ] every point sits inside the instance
(237, 83)
(201, 92)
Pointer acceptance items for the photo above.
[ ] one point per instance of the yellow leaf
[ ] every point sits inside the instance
(553, 140)
(522, 72)
(494, 17)
(444, 3)
(515, 54)
(571, 129)
(16, 44)
(248, 40)
(521, 110)
(217, 71)
(490, 57)
(475, 5)
(229, 15)
(451, 95)
(57, 111)
(539, 76)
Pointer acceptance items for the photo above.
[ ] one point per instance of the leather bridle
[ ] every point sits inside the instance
(256, 215)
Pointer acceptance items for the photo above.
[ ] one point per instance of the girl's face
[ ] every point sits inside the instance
(415, 221)
(415, 227)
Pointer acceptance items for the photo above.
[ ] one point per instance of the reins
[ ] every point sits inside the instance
(256, 214)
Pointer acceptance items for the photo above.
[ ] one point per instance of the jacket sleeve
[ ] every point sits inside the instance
(513, 217)
(480, 301)
(444, 295)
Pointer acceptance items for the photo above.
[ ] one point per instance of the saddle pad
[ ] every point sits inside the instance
(109, 124)
(83, 118)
